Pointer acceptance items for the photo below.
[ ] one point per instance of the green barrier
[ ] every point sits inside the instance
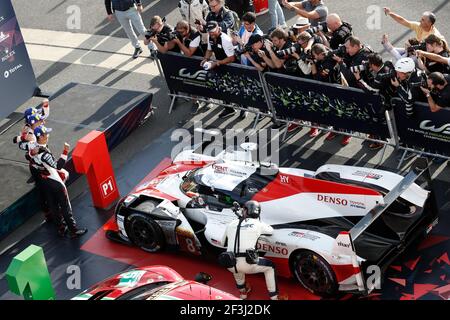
(28, 275)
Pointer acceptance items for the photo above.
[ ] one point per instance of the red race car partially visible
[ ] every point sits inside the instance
(154, 283)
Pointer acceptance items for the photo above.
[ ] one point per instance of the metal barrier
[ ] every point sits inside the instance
(289, 99)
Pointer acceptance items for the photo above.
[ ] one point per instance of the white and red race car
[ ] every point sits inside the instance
(330, 225)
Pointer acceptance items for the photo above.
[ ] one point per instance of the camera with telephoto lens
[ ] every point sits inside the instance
(340, 52)
(321, 27)
(150, 34)
(422, 82)
(360, 68)
(391, 74)
(289, 51)
(421, 46)
(292, 32)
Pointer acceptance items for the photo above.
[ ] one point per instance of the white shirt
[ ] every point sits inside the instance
(197, 11)
(250, 231)
(227, 44)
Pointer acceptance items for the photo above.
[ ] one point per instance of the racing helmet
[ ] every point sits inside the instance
(252, 209)
(405, 65)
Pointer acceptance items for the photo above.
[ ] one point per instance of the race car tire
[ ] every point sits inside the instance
(314, 273)
(144, 232)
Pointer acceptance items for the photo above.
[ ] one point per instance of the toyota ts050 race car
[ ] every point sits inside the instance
(153, 283)
(330, 225)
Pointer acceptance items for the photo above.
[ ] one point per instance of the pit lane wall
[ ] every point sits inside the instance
(287, 98)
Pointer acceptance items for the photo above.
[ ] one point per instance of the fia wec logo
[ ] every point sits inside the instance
(428, 126)
(199, 75)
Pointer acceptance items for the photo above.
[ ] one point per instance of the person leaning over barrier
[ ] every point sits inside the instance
(241, 38)
(436, 45)
(408, 81)
(383, 72)
(423, 29)
(128, 13)
(160, 37)
(219, 44)
(242, 236)
(438, 91)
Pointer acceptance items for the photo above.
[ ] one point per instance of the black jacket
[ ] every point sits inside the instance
(113, 5)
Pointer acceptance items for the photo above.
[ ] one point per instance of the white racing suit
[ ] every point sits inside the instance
(250, 231)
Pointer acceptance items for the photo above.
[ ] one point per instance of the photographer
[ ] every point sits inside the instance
(408, 51)
(188, 40)
(408, 82)
(219, 14)
(433, 57)
(248, 28)
(255, 52)
(286, 63)
(219, 44)
(303, 55)
(160, 37)
(355, 59)
(438, 91)
(383, 73)
(340, 31)
(437, 46)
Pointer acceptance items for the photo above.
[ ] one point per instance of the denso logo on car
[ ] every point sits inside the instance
(333, 200)
(220, 169)
(271, 248)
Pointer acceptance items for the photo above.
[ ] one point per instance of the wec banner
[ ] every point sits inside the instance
(17, 79)
(231, 83)
(425, 129)
(327, 104)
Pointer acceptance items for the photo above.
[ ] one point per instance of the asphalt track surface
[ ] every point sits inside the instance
(410, 277)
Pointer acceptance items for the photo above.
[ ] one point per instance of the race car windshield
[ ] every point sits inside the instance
(144, 292)
(189, 184)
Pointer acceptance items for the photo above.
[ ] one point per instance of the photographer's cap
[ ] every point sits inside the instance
(42, 130)
(212, 26)
(254, 38)
(301, 22)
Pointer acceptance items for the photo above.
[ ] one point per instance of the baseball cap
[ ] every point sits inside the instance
(254, 38)
(32, 119)
(41, 130)
(211, 26)
(301, 22)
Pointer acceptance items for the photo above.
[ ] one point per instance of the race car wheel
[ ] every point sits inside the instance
(314, 273)
(144, 232)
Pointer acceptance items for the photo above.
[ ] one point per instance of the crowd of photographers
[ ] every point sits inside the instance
(320, 46)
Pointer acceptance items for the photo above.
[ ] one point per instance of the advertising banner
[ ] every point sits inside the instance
(424, 130)
(17, 79)
(231, 83)
(327, 104)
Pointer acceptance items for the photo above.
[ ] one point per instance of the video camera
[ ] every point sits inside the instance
(321, 27)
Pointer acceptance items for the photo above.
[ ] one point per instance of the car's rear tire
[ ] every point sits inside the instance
(144, 232)
(314, 273)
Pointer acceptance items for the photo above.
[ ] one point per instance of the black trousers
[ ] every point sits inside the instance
(240, 6)
(59, 203)
(43, 202)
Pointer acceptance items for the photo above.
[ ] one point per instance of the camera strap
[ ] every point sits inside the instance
(237, 241)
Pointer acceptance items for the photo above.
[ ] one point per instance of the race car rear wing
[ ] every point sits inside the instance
(419, 167)
(344, 243)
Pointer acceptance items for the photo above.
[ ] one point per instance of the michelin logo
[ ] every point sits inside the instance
(7, 73)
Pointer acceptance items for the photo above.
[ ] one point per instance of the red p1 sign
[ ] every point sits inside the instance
(91, 157)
